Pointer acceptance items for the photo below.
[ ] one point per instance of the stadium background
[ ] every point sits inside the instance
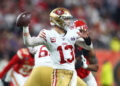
(101, 16)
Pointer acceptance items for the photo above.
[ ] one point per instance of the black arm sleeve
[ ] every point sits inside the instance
(88, 40)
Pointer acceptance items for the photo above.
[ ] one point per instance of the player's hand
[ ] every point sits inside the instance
(23, 19)
(84, 62)
(83, 33)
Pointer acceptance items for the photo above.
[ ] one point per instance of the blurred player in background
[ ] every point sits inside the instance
(87, 58)
(60, 42)
(21, 64)
(41, 73)
(84, 71)
(3, 63)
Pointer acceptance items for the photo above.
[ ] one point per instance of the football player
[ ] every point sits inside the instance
(43, 68)
(21, 63)
(88, 59)
(41, 73)
(89, 63)
(60, 42)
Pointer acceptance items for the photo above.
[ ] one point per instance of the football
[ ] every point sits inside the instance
(23, 19)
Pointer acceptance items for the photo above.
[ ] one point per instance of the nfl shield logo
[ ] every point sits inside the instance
(53, 39)
(73, 38)
(63, 38)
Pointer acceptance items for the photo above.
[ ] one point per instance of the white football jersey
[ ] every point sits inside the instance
(61, 48)
(42, 56)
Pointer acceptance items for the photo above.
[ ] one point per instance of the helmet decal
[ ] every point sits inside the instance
(59, 12)
(58, 15)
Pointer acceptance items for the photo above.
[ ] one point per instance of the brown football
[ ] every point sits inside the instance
(23, 19)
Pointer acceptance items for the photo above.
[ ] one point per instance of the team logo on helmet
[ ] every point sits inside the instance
(58, 15)
(59, 12)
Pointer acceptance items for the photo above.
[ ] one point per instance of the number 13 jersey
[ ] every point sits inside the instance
(61, 47)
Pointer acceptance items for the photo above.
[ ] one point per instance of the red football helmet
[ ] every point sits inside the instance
(80, 24)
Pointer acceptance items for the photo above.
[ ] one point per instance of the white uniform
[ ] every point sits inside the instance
(90, 80)
(61, 47)
(42, 56)
(41, 73)
(18, 79)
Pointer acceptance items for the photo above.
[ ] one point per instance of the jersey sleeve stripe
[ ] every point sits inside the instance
(15, 81)
(19, 54)
(43, 38)
(43, 35)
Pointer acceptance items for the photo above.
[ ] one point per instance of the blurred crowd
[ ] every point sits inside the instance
(101, 16)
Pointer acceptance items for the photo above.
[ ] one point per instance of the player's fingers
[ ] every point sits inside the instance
(79, 33)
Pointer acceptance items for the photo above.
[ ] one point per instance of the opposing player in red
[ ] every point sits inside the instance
(87, 58)
(21, 63)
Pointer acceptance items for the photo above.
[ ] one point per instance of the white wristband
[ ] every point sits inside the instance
(26, 29)
(91, 46)
(85, 66)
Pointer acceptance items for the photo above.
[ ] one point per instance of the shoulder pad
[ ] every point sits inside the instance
(42, 34)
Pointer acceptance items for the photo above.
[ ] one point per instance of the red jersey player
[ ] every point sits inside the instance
(21, 64)
(87, 57)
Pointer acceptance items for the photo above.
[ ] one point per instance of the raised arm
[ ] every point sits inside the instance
(84, 41)
(15, 59)
(93, 60)
(23, 20)
(84, 45)
(83, 34)
(31, 41)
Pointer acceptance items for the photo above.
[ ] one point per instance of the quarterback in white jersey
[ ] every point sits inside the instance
(60, 41)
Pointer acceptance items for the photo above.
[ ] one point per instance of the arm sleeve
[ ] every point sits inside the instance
(32, 41)
(92, 57)
(12, 62)
(80, 42)
(87, 40)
